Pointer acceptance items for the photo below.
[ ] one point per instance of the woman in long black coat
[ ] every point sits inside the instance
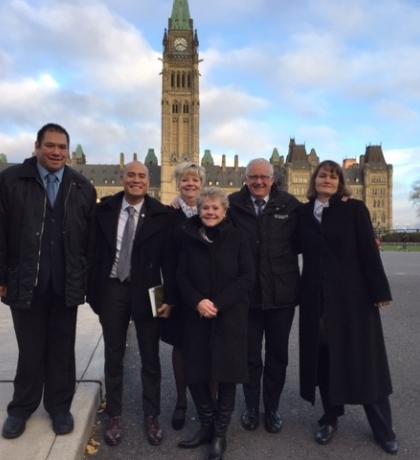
(189, 178)
(214, 274)
(343, 285)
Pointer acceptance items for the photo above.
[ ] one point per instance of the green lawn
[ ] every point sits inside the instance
(398, 247)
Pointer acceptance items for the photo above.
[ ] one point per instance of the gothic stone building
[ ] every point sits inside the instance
(370, 178)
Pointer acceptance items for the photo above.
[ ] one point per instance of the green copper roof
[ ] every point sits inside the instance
(79, 151)
(180, 18)
(207, 159)
(151, 158)
(3, 158)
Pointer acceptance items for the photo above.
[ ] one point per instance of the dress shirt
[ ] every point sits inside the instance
(122, 220)
(266, 198)
(319, 207)
(43, 173)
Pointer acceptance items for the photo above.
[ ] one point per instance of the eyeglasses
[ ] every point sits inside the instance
(255, 178)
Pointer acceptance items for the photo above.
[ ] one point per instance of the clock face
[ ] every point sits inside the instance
(180, 44)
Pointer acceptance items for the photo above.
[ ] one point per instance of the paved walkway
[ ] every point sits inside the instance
(401, 324)
(39, 442)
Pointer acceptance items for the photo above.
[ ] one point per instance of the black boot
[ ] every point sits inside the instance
(225, 406)
(217, 448)
(203, 436)
(205, 409)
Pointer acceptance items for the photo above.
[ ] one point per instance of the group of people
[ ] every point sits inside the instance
(231, 282)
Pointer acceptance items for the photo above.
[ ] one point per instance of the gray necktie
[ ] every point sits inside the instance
(51, 187)
(260, 205)
(124, 260)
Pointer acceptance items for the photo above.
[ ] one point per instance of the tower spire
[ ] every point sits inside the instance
(180, 18)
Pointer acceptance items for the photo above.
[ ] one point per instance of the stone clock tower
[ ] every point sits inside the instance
(180, 97)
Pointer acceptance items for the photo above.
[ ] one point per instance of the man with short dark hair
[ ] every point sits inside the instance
(267, 217)
(131, 229)
(46, 225)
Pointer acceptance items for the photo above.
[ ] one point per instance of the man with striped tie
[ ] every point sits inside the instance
(130, 255)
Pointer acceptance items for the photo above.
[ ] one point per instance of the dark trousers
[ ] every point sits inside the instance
(378, 413)
(275, 325)
(217, 413)
(115, 316)
(45, 336)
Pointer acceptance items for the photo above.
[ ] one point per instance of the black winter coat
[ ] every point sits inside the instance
(23, 203)
(342, 277)
(222, 271)
(149, 254)
(172, 328)
(271, 237)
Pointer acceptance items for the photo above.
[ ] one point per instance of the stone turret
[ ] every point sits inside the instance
(236, 162)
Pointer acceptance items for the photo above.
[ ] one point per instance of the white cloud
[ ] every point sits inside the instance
(227, 103)
(22, 98)
(239, 136)
(397, 111)
(17, 147)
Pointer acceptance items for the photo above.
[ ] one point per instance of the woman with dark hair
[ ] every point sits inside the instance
(343, 284)
(214, 274)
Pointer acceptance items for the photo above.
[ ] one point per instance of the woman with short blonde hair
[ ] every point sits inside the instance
(189, 178)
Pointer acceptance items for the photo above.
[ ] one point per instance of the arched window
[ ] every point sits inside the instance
(183, 79)
(173, 79)
(177, 80)
(189, 80)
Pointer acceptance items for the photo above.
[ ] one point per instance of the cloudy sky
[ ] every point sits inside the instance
(333, 76)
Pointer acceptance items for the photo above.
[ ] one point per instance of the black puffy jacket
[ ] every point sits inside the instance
(271, 238)
(23, 203)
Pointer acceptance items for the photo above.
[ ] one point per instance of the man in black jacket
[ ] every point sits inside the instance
(267, 216)
(46, 225)
(130, 254)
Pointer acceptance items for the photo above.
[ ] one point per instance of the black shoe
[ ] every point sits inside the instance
(178, 418)
(325, 434)
(13, 427)
(272, 421)
(154, 433)
(113, 431)
(390, 447)
(203, 436)
(62, 423)
(217, 448)
(250, 419)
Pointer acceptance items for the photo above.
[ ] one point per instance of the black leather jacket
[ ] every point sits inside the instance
(271, 238)
(22, 217)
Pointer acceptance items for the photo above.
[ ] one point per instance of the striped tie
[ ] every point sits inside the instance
(124, 260)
